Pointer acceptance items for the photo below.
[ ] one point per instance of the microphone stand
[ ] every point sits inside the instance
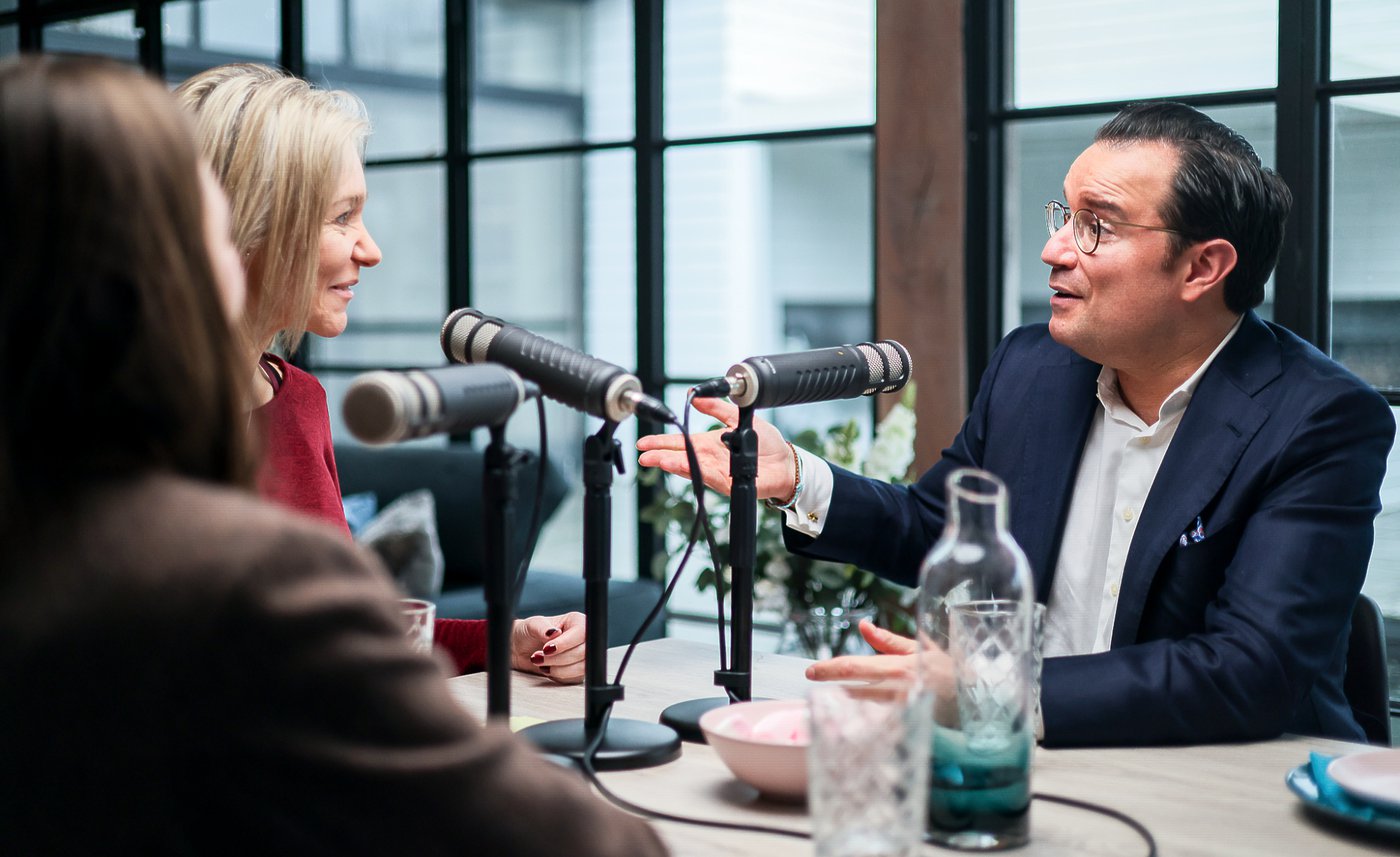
(626, 744)
(501, 461)
(684, 717)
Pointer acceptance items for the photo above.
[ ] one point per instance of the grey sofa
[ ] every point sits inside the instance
(454, 475)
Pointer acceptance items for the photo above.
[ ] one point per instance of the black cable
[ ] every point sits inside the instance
(1138, 827)
(701, 523)
(627, 805)
(588, 769)
(536, 516)
(697, 487)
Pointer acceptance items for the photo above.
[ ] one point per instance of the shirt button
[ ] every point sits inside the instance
(1113, 590)
(1127, 513)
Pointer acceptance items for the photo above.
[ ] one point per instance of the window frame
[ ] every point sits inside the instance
(460, 73)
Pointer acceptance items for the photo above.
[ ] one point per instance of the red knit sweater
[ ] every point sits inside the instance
(298, 471)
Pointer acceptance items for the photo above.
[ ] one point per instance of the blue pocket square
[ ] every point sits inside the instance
(1195, 534)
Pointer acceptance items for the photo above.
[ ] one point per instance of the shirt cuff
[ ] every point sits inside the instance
(808, 514)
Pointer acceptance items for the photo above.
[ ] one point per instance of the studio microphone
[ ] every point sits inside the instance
(386, 407)
(571, 377)
(843, 372)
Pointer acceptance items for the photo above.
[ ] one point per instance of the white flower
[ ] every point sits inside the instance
(777, 570)
(893, 449)
(768, 595)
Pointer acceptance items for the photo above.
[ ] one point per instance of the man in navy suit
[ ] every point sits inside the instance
(1195, 488)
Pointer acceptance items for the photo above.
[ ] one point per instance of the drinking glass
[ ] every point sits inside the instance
(418, 619)
(867, 768)
(979, 796)
(1037, 658)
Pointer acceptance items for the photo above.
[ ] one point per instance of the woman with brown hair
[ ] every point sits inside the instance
(184, 669)
(289, 155)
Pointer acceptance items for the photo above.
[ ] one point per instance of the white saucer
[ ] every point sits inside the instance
(1372, 777)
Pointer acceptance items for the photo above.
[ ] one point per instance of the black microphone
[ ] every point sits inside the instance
(387, 407)
(582, 382)
(821, 375)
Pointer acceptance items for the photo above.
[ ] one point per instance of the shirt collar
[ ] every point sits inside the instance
(1176, 401)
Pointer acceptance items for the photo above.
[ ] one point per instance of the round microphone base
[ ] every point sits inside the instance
(684, 717)
(627, 744)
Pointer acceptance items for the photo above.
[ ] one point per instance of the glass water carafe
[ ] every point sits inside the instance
(976, 598)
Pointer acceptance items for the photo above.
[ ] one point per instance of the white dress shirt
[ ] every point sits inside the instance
(1120, 462)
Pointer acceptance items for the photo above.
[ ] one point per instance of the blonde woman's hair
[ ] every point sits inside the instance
(278, 146)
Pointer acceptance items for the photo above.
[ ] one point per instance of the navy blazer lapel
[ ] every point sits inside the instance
(1055, 428)
(1217, 427)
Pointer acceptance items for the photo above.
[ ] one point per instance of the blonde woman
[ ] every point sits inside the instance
(290, 157)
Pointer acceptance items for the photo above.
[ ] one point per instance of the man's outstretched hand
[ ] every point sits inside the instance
(777, 472)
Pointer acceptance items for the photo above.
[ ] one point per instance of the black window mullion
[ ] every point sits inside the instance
(292, 54)
(151, 45)
(1300, 281)
(649, 166)
(984, 47)
(31, 32)
(458, 76)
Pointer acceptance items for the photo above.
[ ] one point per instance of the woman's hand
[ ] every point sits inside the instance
(777, 471)
(551, 646)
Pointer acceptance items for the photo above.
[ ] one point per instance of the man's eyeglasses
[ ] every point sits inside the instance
(1088, 226)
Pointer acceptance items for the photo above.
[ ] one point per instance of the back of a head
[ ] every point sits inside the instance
(114, 344)
(1220, 189)
(278, 146)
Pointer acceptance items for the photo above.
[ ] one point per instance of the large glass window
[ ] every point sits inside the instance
(734, 68)
(390, 54)
(760, 243)
(1365, 225)
(112, 35)
(1364, 36)
(200, 35)
(1082, 51)
(553, 242)
(768, 250)
(552, 73)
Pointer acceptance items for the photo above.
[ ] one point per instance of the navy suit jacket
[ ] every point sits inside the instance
(1241, 635)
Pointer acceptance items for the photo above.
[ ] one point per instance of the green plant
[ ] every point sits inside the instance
(785, 582)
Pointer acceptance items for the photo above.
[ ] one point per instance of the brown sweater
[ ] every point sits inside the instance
(185, 670)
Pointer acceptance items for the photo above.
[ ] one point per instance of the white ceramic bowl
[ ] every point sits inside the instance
(764, 744)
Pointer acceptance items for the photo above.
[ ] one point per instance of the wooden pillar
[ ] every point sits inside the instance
(919, 206)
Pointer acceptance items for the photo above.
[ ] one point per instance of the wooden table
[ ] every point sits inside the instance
(1207, 800)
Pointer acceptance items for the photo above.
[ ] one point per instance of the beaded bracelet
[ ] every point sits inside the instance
(796, 486)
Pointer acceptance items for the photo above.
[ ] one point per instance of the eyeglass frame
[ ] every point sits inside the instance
(1054, 204)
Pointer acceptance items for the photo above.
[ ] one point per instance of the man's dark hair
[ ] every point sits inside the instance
(1220, 190)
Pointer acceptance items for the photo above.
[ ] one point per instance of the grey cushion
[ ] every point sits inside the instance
(453, 474)
(405, 536)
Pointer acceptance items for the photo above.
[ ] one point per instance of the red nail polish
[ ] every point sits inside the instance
(549, 648)
(551, 632)
(537, 658)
